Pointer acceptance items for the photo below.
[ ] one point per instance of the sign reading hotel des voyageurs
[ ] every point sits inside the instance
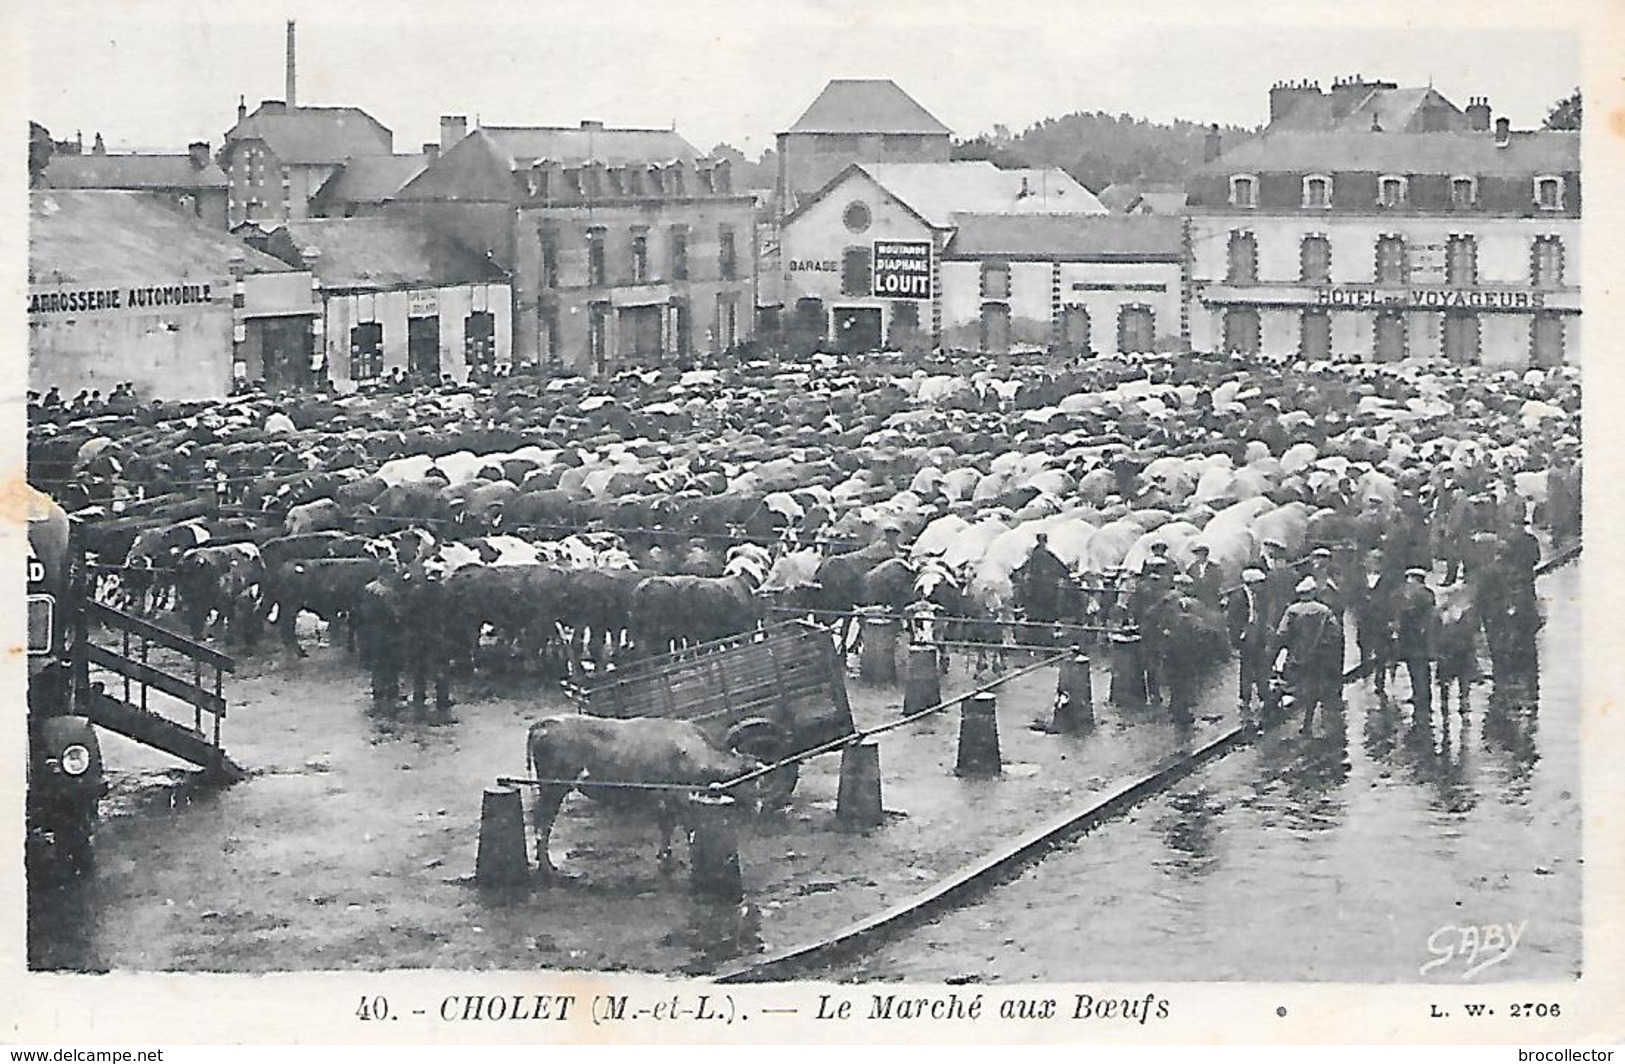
(902, 269)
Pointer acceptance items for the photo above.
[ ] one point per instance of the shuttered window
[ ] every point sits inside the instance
(857, 279)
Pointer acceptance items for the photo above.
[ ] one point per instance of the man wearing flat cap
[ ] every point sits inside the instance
(1207, 582)
(1250, 635)
(1311, 641)
(1416, 631)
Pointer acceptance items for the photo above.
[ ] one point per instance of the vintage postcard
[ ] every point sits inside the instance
(823, 521)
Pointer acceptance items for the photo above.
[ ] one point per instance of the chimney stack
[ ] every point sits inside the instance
(288, 93)
(242, 108)
(198, 153)
(431, 150)
(1212, 143)
(592, 124)
(1503, 132)
(453, 128)
(1478, 114)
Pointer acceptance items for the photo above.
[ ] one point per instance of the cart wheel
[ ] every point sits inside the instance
(760, 738)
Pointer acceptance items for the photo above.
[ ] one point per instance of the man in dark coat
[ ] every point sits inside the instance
(1311, 640)
(1207, 580)
(1042, 578)
(1250, 635)
(1416, 631)
(1374, 615)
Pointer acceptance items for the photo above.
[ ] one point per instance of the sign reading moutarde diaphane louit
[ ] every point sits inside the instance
(902, 269)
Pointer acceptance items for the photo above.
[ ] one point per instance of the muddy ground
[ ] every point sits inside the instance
(352, 843)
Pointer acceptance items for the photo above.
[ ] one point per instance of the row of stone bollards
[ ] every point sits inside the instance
(501, 861)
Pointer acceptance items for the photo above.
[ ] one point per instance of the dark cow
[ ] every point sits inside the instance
(668, 611)
(644, 750)
(328, 587)
(223, 580)
(314, 545)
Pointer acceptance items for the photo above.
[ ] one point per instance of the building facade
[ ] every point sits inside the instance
(123, 288)
(1085, 285)
(1461, 246)
(620, 248)
(393, 295)
(278, 157)
(861, 260)
(853, 121)
(191, 184)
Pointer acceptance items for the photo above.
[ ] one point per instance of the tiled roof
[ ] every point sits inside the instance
(381, 252)
(131, 172)
(314, 134)
(107, 236)
(1529, 153)
(1158, 201)
(1117, 196)
(1075, 237)
(1397, 111)
(937, 191)
(370, 179)
(572, 145)
(866, 106)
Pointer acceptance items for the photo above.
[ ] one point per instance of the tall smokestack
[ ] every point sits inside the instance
(289, 86)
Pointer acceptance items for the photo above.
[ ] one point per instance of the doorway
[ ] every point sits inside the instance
(423, 348)
(857, 329)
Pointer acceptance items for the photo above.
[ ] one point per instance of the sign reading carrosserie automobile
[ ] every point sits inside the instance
(128, 298)
(902, 269)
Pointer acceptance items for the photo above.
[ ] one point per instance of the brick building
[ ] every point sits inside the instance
(622, 249)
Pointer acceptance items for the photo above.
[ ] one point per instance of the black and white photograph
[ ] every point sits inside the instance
(879, 495)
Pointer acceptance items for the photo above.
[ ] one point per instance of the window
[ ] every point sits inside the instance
(597, 266)
(995, 280)
(679, 253)
(1546, 340)
(1391, 191)
(727, 254)
(1393, 265)
(1546, 262)
(1315, 336)
(1317, 191)
(1242, 331)
(1461, 339)
(1549, 193)
(1463, 192)
(1244, 191)
(1315, 259)
(1461, 261)
(367, 351)
(1136, 329)
(1243, 262)
(856, 278)
(640, 258)
(1390, 337)
(550, 259)
(856, 217)
(479, 339)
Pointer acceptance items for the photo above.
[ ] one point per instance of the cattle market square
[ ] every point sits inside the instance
(436, 557)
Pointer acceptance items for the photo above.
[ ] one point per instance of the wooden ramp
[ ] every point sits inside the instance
(136, 687)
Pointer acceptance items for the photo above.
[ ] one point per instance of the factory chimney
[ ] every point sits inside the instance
(289, 87)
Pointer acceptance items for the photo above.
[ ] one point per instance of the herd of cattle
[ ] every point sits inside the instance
(575, 520)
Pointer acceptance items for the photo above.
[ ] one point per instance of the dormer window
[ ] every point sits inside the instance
(1243, 190)
(1463, 192)
(1549, 192)
(1317, 191)
(1391, 189)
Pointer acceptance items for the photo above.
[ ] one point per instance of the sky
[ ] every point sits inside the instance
(155, 75)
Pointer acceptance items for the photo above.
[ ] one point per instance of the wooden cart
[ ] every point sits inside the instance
(771, 693)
